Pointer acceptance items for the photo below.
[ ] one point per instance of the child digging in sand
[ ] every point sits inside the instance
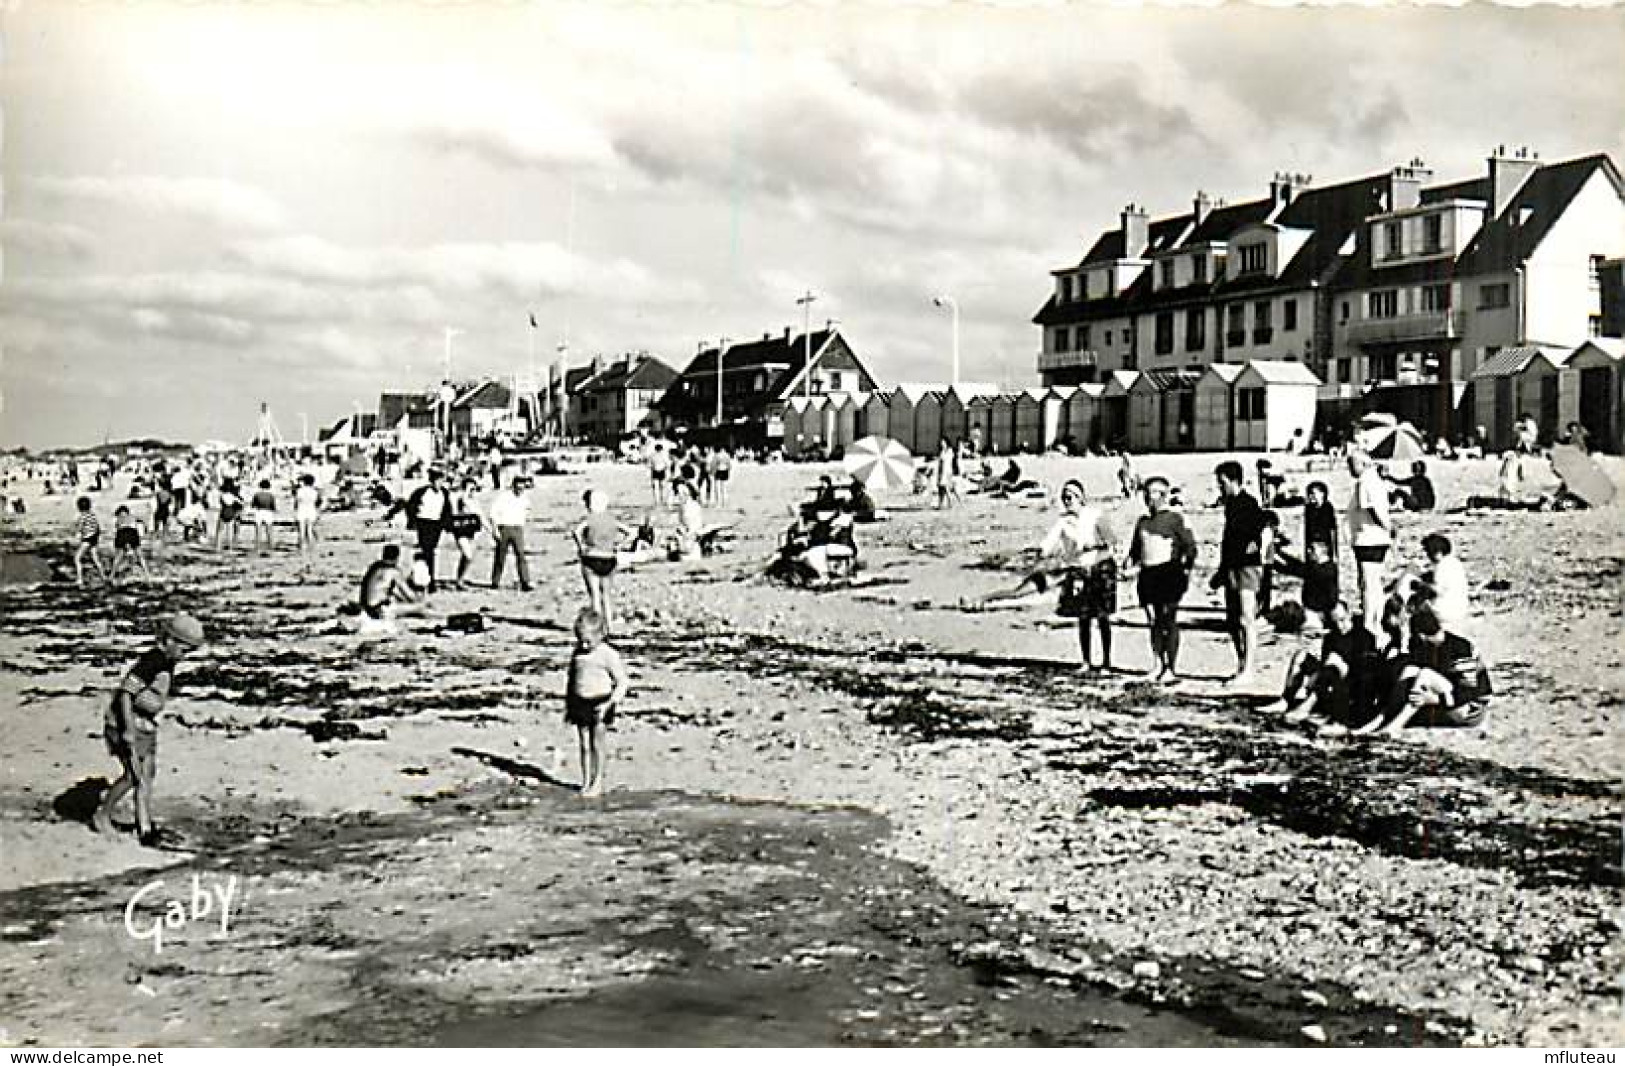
(597, 684)
(131, 723)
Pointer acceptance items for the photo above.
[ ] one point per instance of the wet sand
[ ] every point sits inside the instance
(1446, 886)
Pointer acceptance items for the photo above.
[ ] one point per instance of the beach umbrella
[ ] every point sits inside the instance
(1582, 476)
(1376, 420)
(1399, 441)
(879, 463)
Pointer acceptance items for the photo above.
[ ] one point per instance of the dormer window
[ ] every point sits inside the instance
(1199, 269)
(1391, 246)
(1432, 234)
(1167, 268)
(1253, 258)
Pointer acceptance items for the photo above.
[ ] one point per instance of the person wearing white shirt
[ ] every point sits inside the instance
(1450, 595)
(1370, 534)
(510, 510)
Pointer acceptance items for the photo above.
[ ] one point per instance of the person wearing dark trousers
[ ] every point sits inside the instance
(429, 509)
(510, 509)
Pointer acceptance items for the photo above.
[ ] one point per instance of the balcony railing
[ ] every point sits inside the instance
(1424, 325)
(1067, 360)
(1262, 334)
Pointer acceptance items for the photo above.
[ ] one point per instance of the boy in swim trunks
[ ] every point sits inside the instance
(131, 724)
(596, 540)
(597, 683)
(88, 528)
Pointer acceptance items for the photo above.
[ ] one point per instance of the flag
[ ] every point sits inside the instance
(532, 321)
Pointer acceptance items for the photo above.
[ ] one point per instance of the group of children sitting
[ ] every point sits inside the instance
(1415, 668)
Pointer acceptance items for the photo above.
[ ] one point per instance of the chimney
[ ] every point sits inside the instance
(1201, 206)
(1285, 186)
(1136, 231)
(1507, 175)
(1405, 185)
(786, 334)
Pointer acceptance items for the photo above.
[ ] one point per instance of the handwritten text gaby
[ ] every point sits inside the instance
(215, 901)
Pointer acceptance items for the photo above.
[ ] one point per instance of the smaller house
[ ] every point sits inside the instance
(1497, 400)
(1215, 408)
(1274, 405)
(1599, 366)
(406, 410)
(619, 398)
(482, 411)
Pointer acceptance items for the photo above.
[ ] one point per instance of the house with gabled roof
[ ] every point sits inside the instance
(757, 378)
(617, 398)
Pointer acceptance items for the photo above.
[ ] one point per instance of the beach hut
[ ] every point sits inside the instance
(928, 423)
(1162, 411)
(843, 410)
(1055, 401)
(1547, 389)
(905, 400)
(814, 424)
(874, 419)
(1001, 430)
(1029, 421)
(979, 422)
(1599, 367)
(1112, 416)
(1215, 429)
(795, 426)
(1081, 417)
(1274, 405)
(956, 403)
(1497, 403)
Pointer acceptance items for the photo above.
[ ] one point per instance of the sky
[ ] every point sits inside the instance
(210, 206)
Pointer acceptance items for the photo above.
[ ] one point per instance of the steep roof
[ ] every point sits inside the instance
(485, 395)
(631, 372)
(1508, 361)
(1329, 215)
(1510, 238)
(1225, 372)
(1160, 234)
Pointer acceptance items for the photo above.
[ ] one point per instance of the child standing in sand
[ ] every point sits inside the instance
(130, 727)
(597, 684)
(127, 544)
(88, 529)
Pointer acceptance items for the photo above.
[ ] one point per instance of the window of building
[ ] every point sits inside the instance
(1432, 234)
(1066, 289)
(1250, 405)
(1167, 269)
(1382, 304)
(1289, 316)
(1063, 339)
(1111, 283)
(1343, 312)
(1261, 314)
(1596, 270)
(1493, 295)
(1195, 329)
(1198, 269)
(1594, 326)
(1165, 332)
(1254, 258)
(1108, 338)
(1083, 339)
(1392, 248)
(1237, 318)
(1436, 297)
(1344, 372)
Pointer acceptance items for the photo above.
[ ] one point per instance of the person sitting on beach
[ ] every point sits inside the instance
(1010, 482)
(1442, 681)
(1318, 572)
(597, 683)
(1446, 582)
(861, 504)
(130, 726)
(1414, 493)
(127, 545)
(383, 586)
(87, 530)
(1334, 682)
(596, 540)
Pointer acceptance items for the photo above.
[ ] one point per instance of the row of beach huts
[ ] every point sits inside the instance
(1256, 406)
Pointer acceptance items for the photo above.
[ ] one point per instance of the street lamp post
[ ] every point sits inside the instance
(722, 350)
(953, 308)
(806, 302)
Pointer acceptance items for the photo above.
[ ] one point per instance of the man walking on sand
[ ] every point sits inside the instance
(1243, 547)
(510, 509)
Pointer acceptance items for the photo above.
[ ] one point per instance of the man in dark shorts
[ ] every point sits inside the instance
(1164, 550)
(384, 584)
(1243, 547)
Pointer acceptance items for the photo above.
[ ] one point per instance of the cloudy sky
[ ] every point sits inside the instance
(209, 206)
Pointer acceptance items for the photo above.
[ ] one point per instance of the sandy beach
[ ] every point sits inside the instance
(913, 824)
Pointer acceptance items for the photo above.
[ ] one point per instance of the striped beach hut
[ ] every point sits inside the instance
(1081, 417)
(1058, 396)
(1162, 411)
(844, 408)
(956, 402)
(905, 400)
(795, 429)
(1029, 421)
(928, 422)
(874, 419)
(979, 422)
(1001, 435)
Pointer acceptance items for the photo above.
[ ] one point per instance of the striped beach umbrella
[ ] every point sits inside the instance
(879, 463)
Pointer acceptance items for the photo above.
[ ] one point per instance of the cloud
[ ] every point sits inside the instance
(228, 204)
(48, 238)
(546, 138)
